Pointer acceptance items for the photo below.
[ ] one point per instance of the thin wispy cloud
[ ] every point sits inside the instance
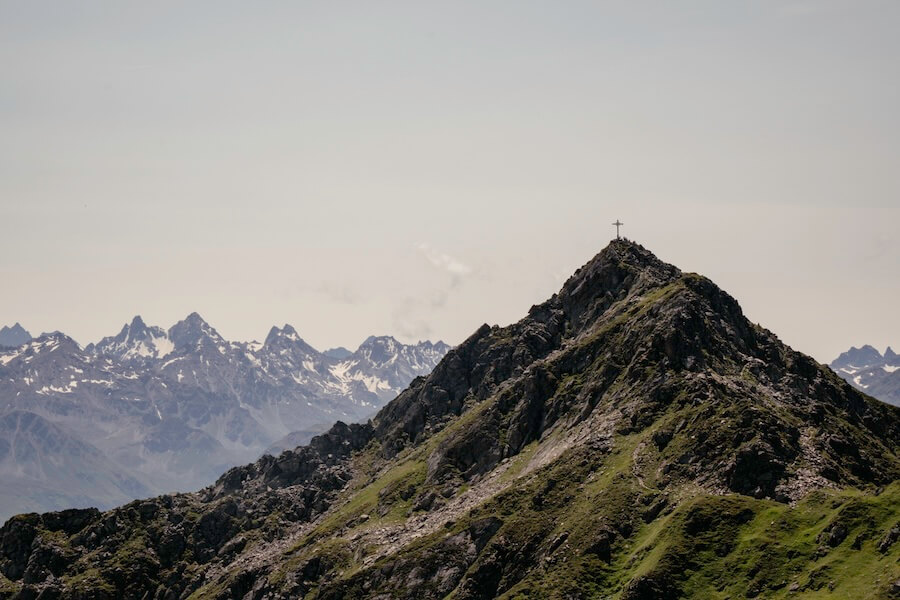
(444, 261)
(408, 321)
(339, 292)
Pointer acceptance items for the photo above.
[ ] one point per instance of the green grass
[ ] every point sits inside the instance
(8, 588)
(365, 500)
(519, 462)
(743, 545)
(88, 582)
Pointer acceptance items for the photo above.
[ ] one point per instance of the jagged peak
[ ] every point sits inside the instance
(136, 339)
(14, 336)
(195, 317)
(614, 263)
(282, 332)
(429, 344)
(192, 330)
(287, 336)
(274, 332)
(379, 339)
(136, 329)
(865, 355)
(622, 268)
(51, 340)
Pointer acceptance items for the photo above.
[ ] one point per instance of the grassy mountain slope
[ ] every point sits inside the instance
(632, 437)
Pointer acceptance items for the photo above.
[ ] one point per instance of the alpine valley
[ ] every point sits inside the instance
(150, 411)
(633, 437)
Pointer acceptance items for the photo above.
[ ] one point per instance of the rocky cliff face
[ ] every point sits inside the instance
(632, 437)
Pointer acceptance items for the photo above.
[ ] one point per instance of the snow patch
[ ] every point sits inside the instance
(56, 390)
(164, 346)
(253, 360)
(339, 371)
(97, 381)
(170, 361)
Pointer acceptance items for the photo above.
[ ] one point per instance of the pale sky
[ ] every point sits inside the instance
(419, 168)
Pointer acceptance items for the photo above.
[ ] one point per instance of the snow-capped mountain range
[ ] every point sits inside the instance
(163, 410)
(868, 370)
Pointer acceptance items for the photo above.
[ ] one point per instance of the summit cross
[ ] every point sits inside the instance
(618, 224)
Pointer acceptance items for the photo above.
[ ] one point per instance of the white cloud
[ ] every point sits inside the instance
(443, 261)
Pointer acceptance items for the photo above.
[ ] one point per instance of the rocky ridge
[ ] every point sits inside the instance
(632, 437)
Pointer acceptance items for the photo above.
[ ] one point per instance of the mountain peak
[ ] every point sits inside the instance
(619, 258)
(287, 337)
(135, 341)
(864, 356)
(380, 349)
(378, 339)
(290, 333)
(287, 332)
(135, 330)
(340, 353)
(621, 269)
(192, 331)
(14, 336)
(194, 318)
(53, 340)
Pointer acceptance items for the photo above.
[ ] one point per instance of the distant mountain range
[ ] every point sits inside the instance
(868, 370)
(152, 410)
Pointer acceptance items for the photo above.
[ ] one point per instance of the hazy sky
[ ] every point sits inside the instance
(419, 168)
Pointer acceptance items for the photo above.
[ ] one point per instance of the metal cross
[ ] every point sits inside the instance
(618, 224)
